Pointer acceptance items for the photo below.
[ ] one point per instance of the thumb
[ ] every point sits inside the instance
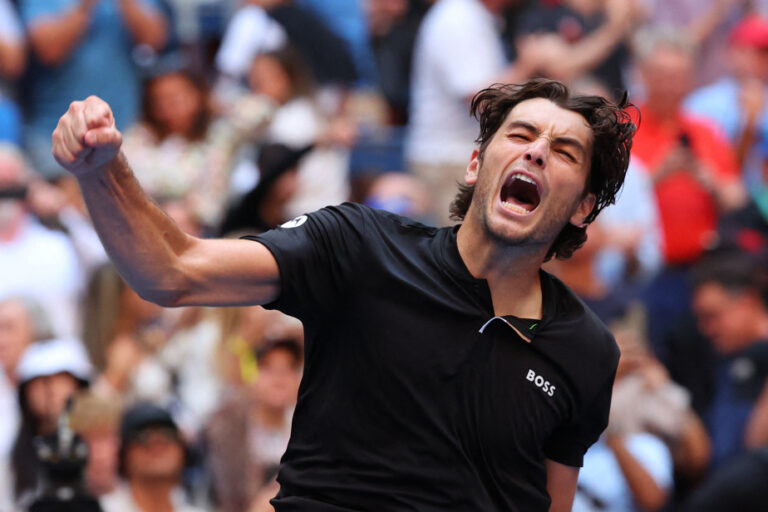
(102, 136)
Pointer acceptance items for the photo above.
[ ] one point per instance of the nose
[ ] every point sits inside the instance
(536, 153)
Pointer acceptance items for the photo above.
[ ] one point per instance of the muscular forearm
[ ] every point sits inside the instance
(143, 242)
(54, 39)
(161, 262)
(145, 25)
(646, 492)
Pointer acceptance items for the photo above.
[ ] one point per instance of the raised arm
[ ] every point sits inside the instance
(161, 262)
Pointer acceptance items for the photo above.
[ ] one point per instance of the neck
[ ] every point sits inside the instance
(153, 494)
(512, 272)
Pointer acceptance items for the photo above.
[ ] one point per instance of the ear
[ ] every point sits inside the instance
(470, 176)
(585, 207)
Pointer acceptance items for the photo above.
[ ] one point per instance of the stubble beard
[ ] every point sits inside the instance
(540, 235)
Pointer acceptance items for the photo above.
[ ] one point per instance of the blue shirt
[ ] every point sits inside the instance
(738, 382)
(101, 64)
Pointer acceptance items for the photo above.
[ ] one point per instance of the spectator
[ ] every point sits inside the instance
(299, 122)
(72, 41)
(249, 434)
(325, 53)
(729, 300)
(580, 37)
(151, 461)
(120, 339)
(22, 321)
(264, 207)
(181, 150)
(346, 18)
(622, 252)
(12, 63)
(27, 249)
(631, 467)
(693, 170)
(249, 33)
(706, 26)
(48, 374)
(97, 420)
(393, 26)
(736, 102)
(240, 330)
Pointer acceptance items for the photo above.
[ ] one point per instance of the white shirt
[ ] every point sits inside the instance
(250, 33)
(42, 264)
(458, 52)
(121, 500)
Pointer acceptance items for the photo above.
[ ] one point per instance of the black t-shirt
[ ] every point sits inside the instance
(414, 396)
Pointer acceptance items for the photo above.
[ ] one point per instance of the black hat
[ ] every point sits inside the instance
(275, 159)
(142, 416)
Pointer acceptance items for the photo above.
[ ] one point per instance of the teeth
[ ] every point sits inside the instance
(524, 178)
(514, 207)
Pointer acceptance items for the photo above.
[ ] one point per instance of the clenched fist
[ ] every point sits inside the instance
(86, 137)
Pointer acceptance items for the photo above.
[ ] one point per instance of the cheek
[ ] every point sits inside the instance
(36, 398)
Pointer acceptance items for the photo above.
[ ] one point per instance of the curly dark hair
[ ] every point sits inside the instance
(612, 128)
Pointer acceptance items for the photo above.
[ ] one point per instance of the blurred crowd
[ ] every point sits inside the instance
(238, 116)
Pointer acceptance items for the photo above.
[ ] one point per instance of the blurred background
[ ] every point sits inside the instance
(239, 115)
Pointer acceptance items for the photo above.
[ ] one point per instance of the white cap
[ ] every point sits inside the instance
(50, 357)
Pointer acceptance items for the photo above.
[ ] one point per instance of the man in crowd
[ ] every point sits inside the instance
(444, 370)
(693, 171)
(27, 249)
(731, 307)
(151, 463)
(70, 41)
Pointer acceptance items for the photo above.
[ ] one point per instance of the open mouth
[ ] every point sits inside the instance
(520, 193)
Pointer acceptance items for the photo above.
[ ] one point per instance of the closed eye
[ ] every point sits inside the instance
(567, 155)
(519, 136)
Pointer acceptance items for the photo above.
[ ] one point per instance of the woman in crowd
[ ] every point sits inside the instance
(181, 148)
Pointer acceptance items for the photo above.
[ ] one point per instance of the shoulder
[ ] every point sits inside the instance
(583, 331)
(372, 219)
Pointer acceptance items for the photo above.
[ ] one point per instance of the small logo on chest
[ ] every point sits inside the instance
(543, 384)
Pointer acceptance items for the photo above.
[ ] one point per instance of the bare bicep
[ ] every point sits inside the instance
(229, 272)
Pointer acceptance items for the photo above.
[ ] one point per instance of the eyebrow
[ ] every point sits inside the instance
(569, 141)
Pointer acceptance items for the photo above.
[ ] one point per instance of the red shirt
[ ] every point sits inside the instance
(688, 212)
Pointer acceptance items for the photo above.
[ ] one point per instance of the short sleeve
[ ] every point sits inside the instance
(318, 256)
(570, 442)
